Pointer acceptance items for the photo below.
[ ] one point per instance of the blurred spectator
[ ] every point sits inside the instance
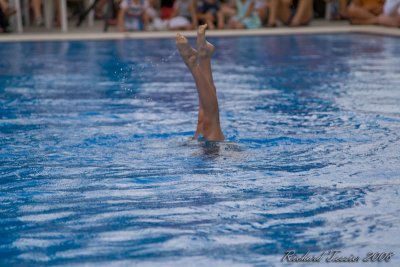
(5, 12)
(370, 12)
(391, 13)
(166, 9)
(292, 13)
(392, 8)
(343, 8)
(3, 21)
(6, 9)
(365, 11)
(37, 12)
(208, 11)
(246, 16)
(99, 10)
(183, 16)
(152, 11)
(228, 10)
(132, 15)
(261, 7)
(336, 9)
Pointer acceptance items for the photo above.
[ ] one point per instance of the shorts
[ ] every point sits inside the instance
(206, 8)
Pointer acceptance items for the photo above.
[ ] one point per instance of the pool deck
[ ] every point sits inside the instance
(96, 33)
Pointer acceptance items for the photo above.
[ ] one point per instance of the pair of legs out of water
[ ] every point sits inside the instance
(199, 63)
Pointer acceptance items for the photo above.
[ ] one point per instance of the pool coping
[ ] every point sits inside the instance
(219, 33)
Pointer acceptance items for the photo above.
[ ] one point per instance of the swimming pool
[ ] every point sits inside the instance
(97, 165)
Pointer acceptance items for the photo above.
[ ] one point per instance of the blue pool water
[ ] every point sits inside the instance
(97, 165)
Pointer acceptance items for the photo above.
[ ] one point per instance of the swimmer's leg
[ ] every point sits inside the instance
(205, 51)
(204, 59)
(208, 123)
(189, 56)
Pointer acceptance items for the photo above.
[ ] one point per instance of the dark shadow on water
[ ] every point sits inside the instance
(209, 149)
(215, 149)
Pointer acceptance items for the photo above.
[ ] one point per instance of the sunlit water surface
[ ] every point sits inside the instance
(97, 165)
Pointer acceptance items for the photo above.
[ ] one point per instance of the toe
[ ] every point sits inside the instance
(180, 38)
(202, 29)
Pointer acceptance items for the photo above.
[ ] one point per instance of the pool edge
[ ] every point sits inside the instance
(218, 33)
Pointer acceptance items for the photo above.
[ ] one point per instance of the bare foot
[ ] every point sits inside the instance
(204, 48)
(188, 54)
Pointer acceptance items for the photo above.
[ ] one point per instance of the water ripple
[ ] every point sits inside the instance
(97, 164)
